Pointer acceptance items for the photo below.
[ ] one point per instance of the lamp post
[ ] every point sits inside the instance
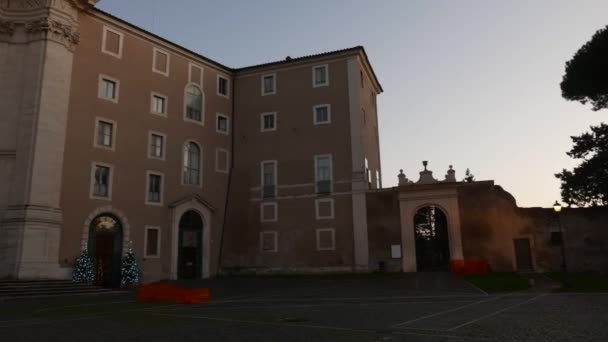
(557, 207)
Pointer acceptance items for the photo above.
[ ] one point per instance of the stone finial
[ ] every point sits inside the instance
(402, 178)
(426, 176)
(451, 176)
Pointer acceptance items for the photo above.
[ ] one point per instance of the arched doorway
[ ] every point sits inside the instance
(190, 246)
(432, 242)
(105, 246)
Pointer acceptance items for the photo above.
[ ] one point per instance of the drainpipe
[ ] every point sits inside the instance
(232, 140)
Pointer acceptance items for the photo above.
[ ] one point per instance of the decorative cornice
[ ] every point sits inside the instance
(63, 33)
(7, 27)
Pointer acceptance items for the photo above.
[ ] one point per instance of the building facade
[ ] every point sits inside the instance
(112, 137)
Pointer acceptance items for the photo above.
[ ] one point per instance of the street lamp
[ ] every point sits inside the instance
(557, 207)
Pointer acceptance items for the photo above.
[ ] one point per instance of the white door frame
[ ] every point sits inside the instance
(177, 214)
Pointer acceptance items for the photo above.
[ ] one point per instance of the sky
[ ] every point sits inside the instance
(469, 83)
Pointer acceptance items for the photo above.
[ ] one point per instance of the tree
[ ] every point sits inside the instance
(83, 268)
(468, 176)
(586, 77)
(129, 272)
(587, 184)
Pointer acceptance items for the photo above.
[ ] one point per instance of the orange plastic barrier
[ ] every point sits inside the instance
(470, 267)
(167, 293)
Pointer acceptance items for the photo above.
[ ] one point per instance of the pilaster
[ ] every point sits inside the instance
(38, 39)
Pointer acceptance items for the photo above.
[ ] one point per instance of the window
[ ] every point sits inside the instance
(222, 162)
(378, 185)
(222, 86)
(326, 239)
(269, 84)
(323, 173)
(320, 76)
(324, 208)
(269, 212)
(195, 74)
(194, 103)
(105, 134)
(322, 114)
(101, 180)
(268, 122)
(222, 124)
(156, 147)
(192, 164)
(111, 42)
(269, 178)
(154, 188)
(152, 242)
(161, 62)
(268, 241)
(159, 104)
(108, 88)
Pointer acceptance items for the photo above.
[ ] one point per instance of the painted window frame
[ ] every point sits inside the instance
(378, 182)
(158, 244)
(263, 219)
(333, 239)
(219, 150)
(314, 114)
(94, 165)
(200, 77)
(314, 76)
(101, 95)
(276, 241)
(162, 188)
(331, 172)
(217, 121)
(156, 51)
(114, 124)
(274, 128)
(332, 206)
(164, 147)
(275, 174)
(200, 164)
(185, 109)
(154, 94)
(121, 39)
(222, 77)
(274, 84)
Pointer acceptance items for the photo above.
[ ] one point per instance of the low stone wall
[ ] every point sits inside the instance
(490, 222)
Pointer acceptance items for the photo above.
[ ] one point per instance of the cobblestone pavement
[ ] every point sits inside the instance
(425, 307)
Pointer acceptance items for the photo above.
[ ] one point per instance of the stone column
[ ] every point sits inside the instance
(37, 42)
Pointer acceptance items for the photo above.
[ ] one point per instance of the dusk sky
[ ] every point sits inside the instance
(469, 83)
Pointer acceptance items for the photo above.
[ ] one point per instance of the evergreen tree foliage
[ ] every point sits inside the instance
(129, 272)
(587, 184)
(83, 269)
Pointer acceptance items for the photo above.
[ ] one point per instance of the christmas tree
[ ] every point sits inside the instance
(129, 272)
(83, 269)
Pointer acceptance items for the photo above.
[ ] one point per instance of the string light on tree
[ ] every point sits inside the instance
(129, 272)
(83, 269)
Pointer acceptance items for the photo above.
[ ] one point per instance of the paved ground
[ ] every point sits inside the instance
(424, 307)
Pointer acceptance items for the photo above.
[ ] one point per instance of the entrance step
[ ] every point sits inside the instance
(30, 289)
(539, 282)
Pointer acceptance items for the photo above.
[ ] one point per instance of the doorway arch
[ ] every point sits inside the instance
(431, 239)
(190, 246)
(105, 245)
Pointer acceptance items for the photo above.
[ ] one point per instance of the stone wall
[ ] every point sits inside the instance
(490, 222)
(384, 229)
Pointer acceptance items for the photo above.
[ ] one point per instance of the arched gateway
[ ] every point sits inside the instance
(105, 246)
(430, 222)
(432, 240)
